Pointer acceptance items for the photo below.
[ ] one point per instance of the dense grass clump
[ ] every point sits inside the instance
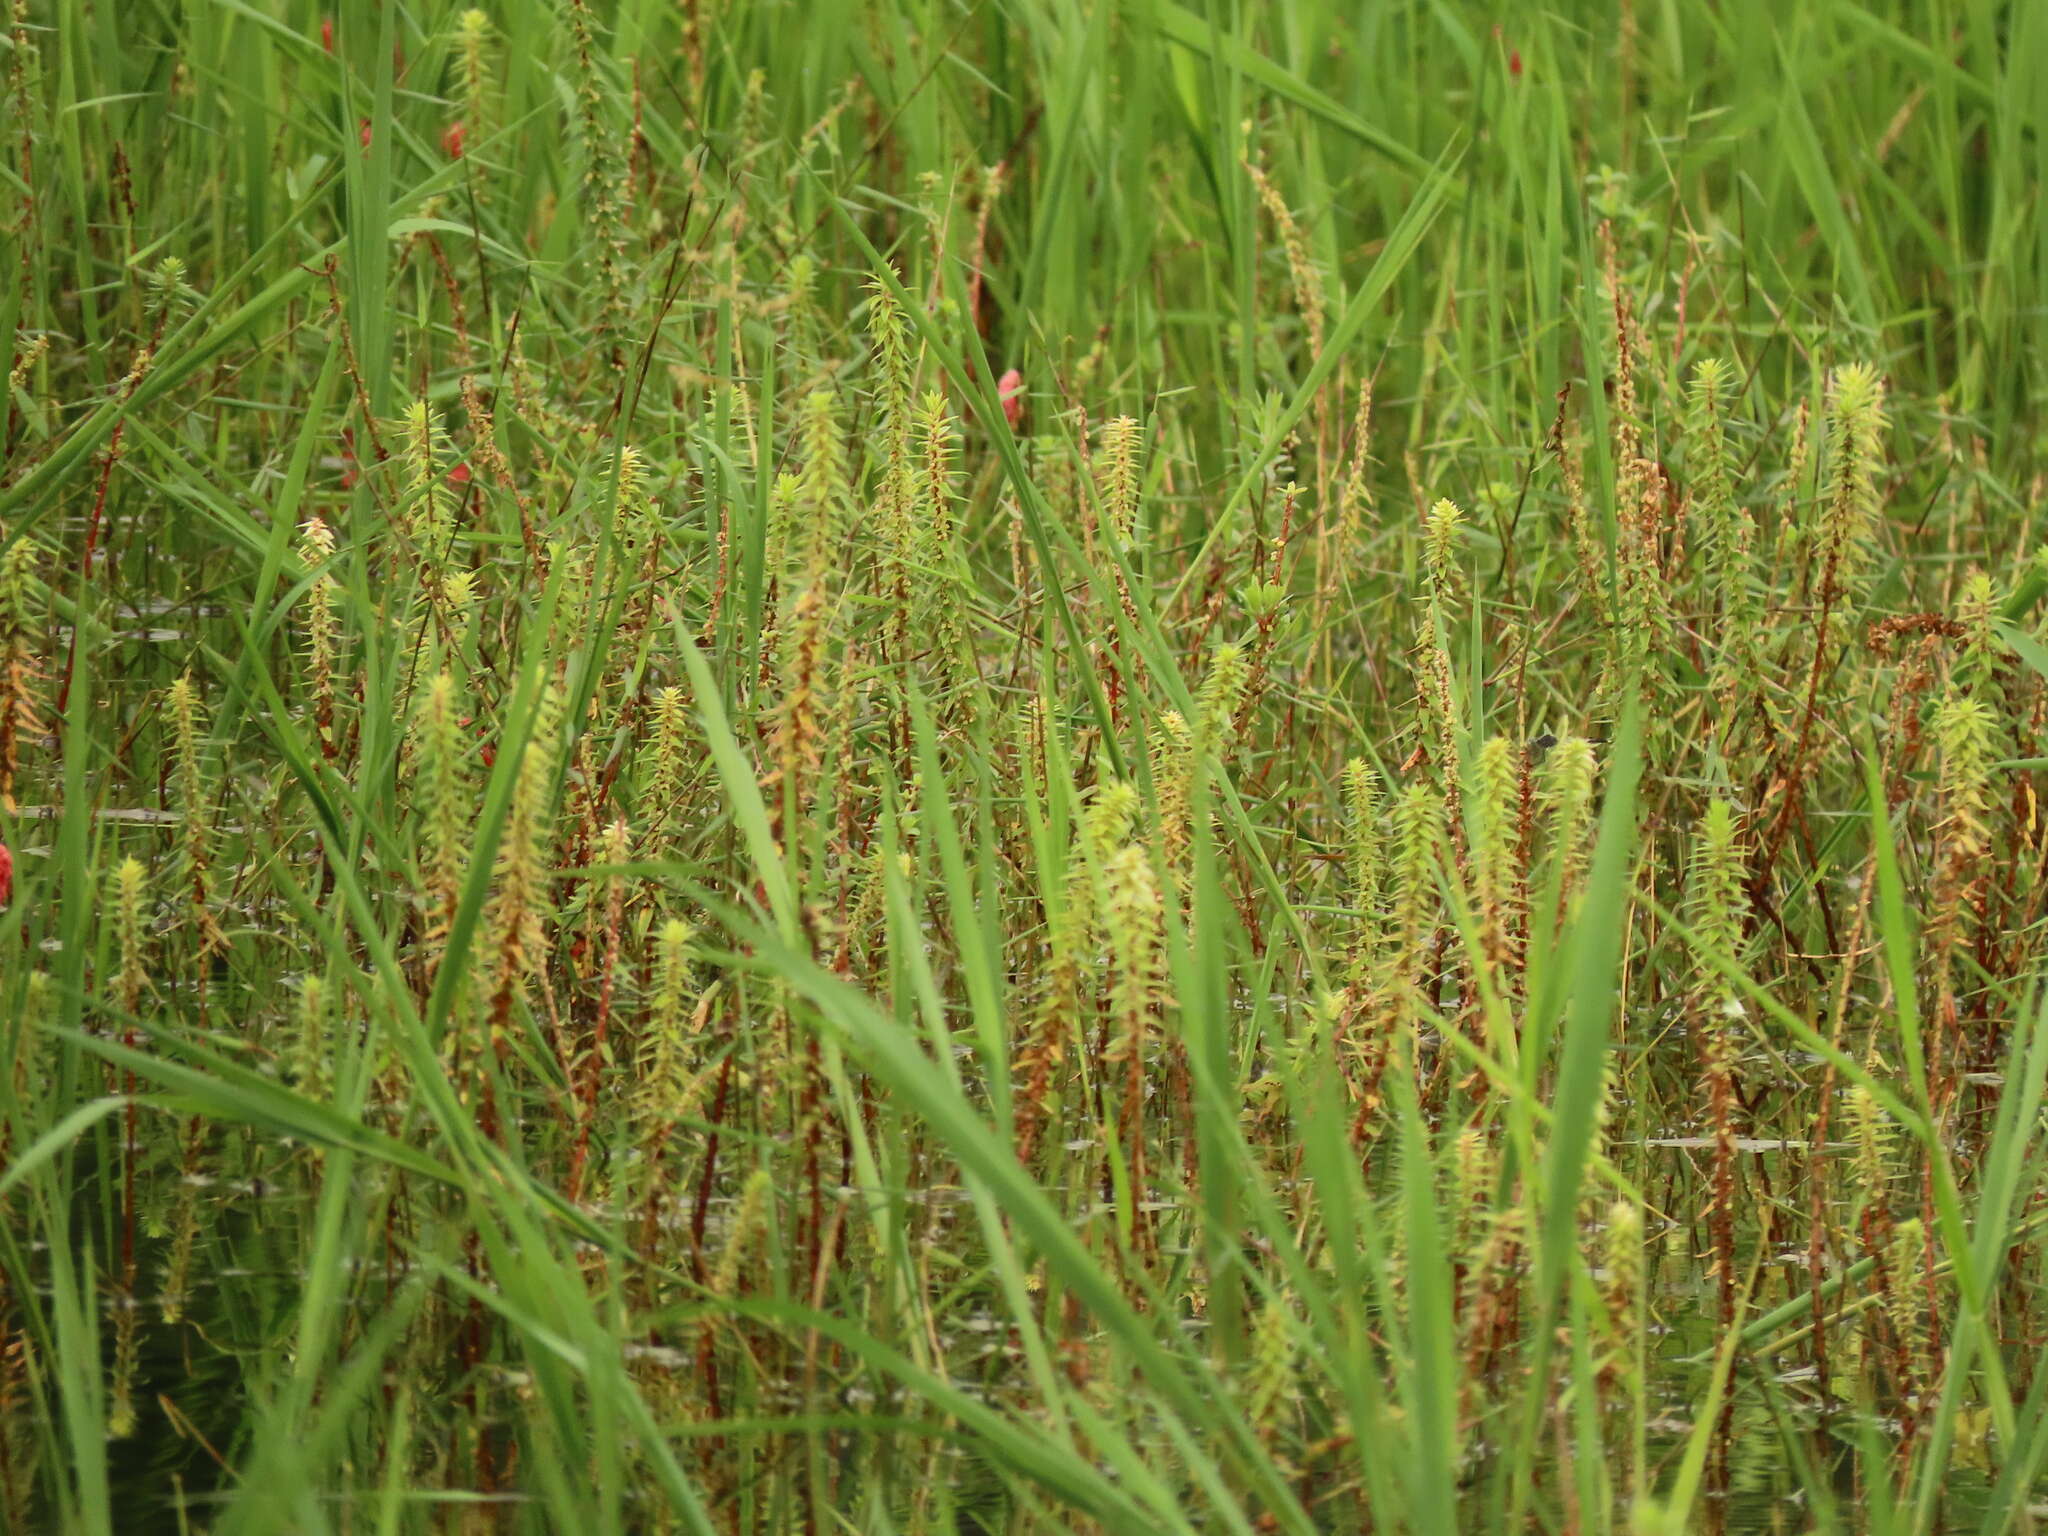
(1022, 768)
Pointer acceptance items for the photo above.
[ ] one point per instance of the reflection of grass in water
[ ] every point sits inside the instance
(241, 1311)
(640, 904)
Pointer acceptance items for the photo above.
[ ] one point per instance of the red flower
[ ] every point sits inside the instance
(451, 141)
(366, 133)
(490, 748)
(1010, 391)
(6, 875)
(327, 33)
(1515, 62)
(459, 475)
